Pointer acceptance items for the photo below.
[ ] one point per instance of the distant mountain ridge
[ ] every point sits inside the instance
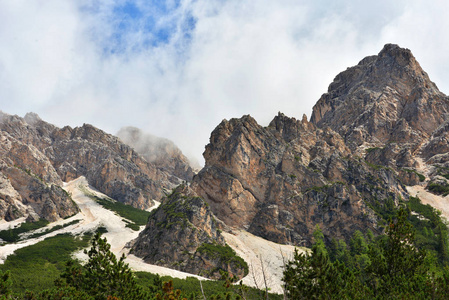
(34, 149)
(163, 153)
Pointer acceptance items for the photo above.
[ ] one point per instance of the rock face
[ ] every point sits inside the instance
(280, 181)
(183, 234)
(161, 152)
(378, 123)
(385, 98)
(36, 157)
(29, 184)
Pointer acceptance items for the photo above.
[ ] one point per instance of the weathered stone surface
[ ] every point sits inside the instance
(387, 97)
(11, 206)
(388, 105)
(178, 233)
(36, 157)
(109, 165)
(161, 152)
(280, 181)
(33, 195)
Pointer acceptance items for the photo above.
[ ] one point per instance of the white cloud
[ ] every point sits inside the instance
(74, 63)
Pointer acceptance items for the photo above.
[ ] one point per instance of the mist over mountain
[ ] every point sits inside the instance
(162, 152)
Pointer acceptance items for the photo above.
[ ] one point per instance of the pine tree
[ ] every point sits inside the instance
(397, 266)
(103, 275)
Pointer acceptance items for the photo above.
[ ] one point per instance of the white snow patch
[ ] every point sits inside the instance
(263, 257)
(92, 216)
(439, 202)
(259, 253)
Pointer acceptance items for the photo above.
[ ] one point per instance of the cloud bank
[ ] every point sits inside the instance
(177, 68)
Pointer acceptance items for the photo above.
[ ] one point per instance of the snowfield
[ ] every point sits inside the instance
(263, 257)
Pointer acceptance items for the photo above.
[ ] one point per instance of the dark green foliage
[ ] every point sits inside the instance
(439, 189)
(314, 276)
(137, 216)
(394, 268)
(5, 285)
(385, 209)
(396, 264)
(421, 177)
(225, 254)
(12, 235)
(54, 228)
(103, 275)
(36, 267)
(431, 231)
(191, 286)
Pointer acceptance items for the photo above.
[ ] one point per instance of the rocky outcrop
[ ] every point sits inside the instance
(109, 165)
(388, 110)
(183, 234)
(385, 98)
(161, 152)
(280, 181)
(29, 184)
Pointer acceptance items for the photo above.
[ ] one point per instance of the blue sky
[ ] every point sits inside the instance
(177, 68)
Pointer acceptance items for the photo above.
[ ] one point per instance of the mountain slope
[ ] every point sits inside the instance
(35, 153)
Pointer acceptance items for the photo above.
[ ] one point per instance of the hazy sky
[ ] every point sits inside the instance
(177, 68)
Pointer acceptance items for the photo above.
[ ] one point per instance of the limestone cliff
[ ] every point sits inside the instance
(280, 181)
(183, 234)
(387, 109)
(29, 185)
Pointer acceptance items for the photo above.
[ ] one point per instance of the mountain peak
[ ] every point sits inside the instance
(386, 97)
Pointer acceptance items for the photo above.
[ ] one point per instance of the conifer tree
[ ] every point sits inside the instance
(103, 275)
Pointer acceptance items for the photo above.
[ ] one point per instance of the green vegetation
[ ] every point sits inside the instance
(191, 288)
(439, 189)
(375, 167)
(421, 177)
(35, 267)
(40, 270)
(390, 266)
(369, 150)
(12, 235)
(431, 230)
(136, 217)
(225, 254)
(54, 228)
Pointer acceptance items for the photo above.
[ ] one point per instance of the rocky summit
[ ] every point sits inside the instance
(379, 123)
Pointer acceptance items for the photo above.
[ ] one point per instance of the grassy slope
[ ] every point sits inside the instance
(37, 266)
